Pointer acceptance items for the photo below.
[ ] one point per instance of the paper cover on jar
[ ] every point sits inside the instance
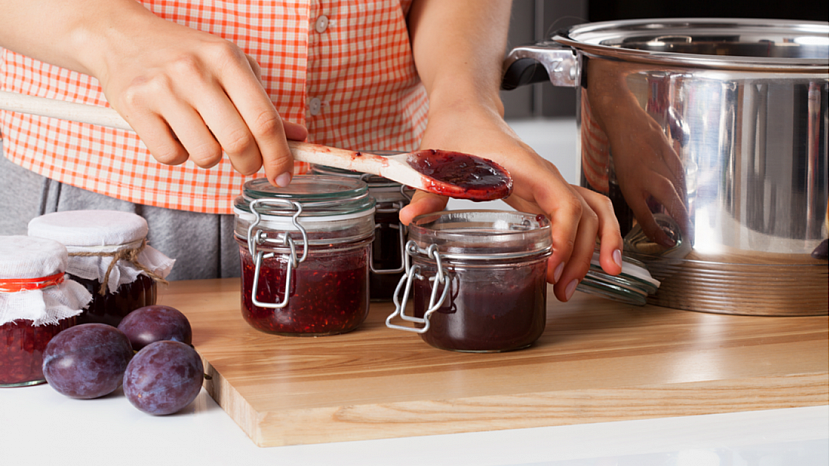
(94, 238)
(32, 282)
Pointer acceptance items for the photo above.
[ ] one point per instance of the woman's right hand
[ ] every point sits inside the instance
(189, 95)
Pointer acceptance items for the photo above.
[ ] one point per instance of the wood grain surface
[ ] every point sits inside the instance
(597, 361)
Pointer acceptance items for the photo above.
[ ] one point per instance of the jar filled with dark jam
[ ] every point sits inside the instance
(387, 266)
(37, 301)
(305, 253)
(109, 255)
(477, 279)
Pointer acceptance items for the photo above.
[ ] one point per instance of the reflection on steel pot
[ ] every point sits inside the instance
(710, 138)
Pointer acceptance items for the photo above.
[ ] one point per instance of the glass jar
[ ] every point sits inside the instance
(632, 286)
(37, 301)
(305, 254)
(478, 280)
(109, 255)
(387, 265)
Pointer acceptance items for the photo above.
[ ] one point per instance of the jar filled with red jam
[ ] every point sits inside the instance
(477, 279)
(387, 265)
(305, 252)
(37, 301)
(109, 255)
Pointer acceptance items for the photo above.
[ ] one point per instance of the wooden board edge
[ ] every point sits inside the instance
(229, 399)
(558, 408)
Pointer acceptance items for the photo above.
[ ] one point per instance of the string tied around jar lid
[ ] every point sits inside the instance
(128, 254)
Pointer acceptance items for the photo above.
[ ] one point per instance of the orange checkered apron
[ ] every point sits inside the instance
(349, 77)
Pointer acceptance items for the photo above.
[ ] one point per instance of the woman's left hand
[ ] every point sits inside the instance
(578, 216)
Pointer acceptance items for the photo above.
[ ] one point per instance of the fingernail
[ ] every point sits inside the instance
(558, 272)
(569, 291)
(283, 180)
(618, 257)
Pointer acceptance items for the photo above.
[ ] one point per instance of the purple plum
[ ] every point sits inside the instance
(164, 377)
(153, 323)
(87, 360)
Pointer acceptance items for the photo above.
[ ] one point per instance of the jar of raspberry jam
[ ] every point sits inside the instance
(477, 278)
(109, 255)
(305, 253)
(37, 301)
(387, 265)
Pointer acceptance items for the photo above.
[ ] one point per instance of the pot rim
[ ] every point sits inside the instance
(606, 39)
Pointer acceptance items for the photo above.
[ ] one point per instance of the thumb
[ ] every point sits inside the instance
(422, 203)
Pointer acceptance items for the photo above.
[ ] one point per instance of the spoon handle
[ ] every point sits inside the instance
(302, 151)
(71, 111)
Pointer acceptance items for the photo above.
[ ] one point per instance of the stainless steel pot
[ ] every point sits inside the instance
(710, 138)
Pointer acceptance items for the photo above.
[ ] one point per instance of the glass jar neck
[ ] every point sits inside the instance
(470, 235)
(313, 209)
(318, 196)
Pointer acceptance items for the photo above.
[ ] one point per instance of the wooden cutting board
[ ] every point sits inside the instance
(597, 361)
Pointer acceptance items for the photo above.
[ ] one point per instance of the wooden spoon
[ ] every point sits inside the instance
(448, 173)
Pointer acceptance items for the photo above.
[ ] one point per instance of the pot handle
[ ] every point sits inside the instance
(541, 62)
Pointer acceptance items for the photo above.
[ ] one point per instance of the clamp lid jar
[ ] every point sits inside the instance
(387, 264)
(304, 251)
(478, 280)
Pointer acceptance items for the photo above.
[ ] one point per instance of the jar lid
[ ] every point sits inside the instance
(382, 189)
(90, 227)
(319, 196)
(50, 300)
(631, 286)
(482, 234)
(30, 257)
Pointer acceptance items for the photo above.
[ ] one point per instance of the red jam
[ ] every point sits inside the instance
(486, 311)
(110, 308)
(462, 175)
(329, 293)
(21, 350)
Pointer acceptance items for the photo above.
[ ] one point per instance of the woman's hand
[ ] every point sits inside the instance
(189, 95)
(459, 48)
(578, 216)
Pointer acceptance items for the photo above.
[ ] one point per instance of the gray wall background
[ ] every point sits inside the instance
(532, 21)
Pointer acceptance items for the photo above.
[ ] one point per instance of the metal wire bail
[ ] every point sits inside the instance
(406, 283)
(257, 237)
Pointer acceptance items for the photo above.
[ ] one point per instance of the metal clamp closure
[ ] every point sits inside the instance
(406, 283)
(258, 237)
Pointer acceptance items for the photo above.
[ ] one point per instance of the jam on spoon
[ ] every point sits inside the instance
(462, 175)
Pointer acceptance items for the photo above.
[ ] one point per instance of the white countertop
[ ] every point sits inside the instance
(42, 427)
(39, 426)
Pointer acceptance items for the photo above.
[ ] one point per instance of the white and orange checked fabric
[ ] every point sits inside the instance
(359, 70)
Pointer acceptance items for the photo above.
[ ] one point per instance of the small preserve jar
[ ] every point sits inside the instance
(305, 254)
(37, 301)
(387, 265)
(109, 255)
(478, 280)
